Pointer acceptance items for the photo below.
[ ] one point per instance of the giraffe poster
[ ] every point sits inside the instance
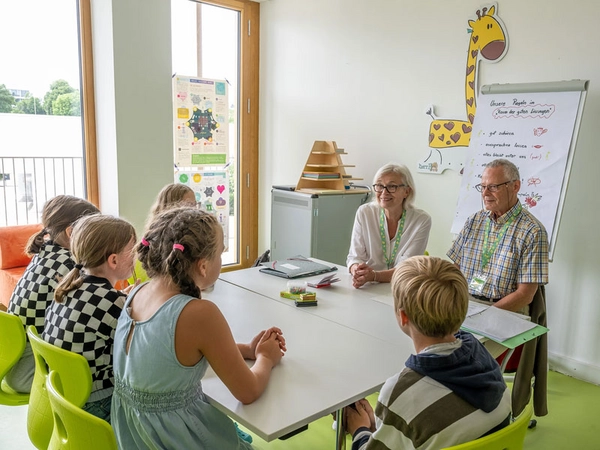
(449, 138)
(200, 119)
(212, 194)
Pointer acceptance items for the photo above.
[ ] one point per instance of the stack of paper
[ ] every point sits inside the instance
(495, 323)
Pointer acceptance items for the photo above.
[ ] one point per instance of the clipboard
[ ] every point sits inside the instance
(494, 323)
(295, 267)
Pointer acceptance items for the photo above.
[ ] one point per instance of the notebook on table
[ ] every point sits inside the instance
(295, 267)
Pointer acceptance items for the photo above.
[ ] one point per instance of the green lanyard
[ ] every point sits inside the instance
(390, 261)
(488, 250)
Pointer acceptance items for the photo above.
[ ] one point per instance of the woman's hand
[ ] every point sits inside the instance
(361, 274)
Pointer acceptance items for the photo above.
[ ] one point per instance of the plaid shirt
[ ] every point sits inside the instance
(85, 323)
(35, 290)
(520, 257)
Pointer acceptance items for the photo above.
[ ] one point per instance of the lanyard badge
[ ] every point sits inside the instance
(390, 261)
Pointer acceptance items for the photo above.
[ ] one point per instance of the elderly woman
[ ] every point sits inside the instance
(387, 230)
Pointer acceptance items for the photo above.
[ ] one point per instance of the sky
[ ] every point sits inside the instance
(38, 44)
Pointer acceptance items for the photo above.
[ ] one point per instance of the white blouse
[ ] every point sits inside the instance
(365, 245)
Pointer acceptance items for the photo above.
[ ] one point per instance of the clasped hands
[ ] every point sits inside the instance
(270, 343)
(362, 274)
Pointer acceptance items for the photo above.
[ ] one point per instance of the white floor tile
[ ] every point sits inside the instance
(13, 428)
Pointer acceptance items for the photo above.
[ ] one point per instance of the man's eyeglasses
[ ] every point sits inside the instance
(491, 187)
(391, 188)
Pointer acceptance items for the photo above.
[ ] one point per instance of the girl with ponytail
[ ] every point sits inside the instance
(51, 261)
(83, 316)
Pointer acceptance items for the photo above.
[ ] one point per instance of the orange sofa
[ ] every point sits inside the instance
(13, 259)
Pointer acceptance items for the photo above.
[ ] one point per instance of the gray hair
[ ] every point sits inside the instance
(510, 170)
(402, 170)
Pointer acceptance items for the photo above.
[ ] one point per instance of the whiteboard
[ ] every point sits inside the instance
(534, 125)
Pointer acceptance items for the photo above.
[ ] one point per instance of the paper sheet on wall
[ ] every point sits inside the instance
(201, 121)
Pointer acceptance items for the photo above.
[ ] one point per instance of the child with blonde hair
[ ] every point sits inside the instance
(451, 390)
(167, 336)
(171, 195)
(83, 317)
(51, 261)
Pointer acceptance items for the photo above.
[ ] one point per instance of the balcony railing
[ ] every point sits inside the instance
(27, 182)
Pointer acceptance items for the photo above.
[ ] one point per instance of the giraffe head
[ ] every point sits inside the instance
(488, 35)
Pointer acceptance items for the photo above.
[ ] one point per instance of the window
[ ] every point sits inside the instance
(46, 107)
(219, 40)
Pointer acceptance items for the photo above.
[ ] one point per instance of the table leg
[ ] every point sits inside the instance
(340, 432)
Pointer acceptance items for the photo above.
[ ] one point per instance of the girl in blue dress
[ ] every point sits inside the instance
(167, 336)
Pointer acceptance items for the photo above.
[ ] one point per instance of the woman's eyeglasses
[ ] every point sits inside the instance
(391, 188)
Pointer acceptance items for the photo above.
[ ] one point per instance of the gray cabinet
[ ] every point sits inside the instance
(316, 225)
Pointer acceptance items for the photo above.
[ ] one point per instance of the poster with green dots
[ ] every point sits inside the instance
(212, 193)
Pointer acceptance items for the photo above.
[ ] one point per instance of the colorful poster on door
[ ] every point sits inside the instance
(201, 122)
(212, 194)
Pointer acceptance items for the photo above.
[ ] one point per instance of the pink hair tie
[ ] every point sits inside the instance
(145, 243)
(178, 247)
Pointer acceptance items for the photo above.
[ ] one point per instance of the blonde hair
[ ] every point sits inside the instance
(192, 229)
(402, 170)
(433, 293)
(169, 196)
(58, 214)
(93, 240)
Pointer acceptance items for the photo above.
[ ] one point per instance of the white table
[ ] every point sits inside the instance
(367, 309)
(327, 366)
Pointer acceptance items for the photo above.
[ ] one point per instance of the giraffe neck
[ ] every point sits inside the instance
(470, 78)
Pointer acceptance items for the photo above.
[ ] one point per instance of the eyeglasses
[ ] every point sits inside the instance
(491, 187)
(391, 188)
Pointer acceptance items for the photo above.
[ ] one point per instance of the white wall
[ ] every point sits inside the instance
(363, 72)
(132, 71)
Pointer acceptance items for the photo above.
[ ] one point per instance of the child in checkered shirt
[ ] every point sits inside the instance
(86, 307)
(51, 261)
(168, 335)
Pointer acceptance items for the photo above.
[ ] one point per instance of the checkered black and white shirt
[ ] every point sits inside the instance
(35, 290)
(85, 323)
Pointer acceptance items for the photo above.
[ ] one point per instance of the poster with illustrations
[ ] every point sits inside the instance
(212, 193)
(201, 121)
(533, 130)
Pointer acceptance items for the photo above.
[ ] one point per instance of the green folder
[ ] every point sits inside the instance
(515, 341)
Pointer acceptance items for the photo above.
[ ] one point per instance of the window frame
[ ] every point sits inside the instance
(88, 104)
(248, 129)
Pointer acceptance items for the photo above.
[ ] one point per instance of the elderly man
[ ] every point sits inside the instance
(502, 250)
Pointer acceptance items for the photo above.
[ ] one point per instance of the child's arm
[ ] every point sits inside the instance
(248, 351)
(203, 331)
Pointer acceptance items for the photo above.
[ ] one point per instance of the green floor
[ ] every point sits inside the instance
(572, 422)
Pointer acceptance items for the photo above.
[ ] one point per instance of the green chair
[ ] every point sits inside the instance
(510, 437)
(76, 377)
(74, 428)
(12, 345)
